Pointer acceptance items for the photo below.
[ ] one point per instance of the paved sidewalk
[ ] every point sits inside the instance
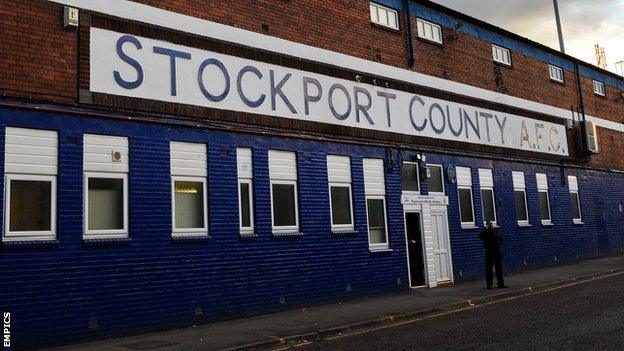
(334, 318)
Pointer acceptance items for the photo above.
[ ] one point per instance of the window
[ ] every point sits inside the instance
(429, 31)
(283, 176)
(556, 73)
(544, 201)
(520, 200)
(189, 171)
(435, 180)
(501, 55)
(245, 190)
(384, 16)
(339, 176)
(575, 200)
(599, 88)
(30, 166)
(375, 191)
(466, 205)
(409, 177)
(105, 165)
(486, 182)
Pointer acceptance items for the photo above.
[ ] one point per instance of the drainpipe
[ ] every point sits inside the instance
(410, 46)
(581, 105)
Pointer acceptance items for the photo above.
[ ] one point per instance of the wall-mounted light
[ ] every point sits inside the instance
(70, 17)
(358, 78)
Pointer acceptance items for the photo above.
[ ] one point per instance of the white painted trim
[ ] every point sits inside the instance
(388, 10)
(341, 227)
(444, 210)
(523, 223)
(184, 232)
(246, 230)
(578, 220)
(549, 220)
(411, 192)
(289, 228)
(378, 246)
(167, 19)
(471, 224)
(423, 247)
(488, 188)
(104, 234)
(441, 179)
(29, 235)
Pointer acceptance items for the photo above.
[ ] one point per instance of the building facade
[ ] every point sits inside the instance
(168, 163)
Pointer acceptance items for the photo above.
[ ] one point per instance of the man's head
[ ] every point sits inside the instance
(488, 224)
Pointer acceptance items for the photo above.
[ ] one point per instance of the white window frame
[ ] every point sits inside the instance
(466, 224)
(285, 228)
(556, 73)
(378, 246)
(29, 235)
(578, 220)
(417, 178)
(377, 7)
(341, 227)
(177, 232)
(108, 233)
(599, 88)
(421, 23)
(248, 230)
(544, 190)
(487, 188)
(441, 179)
(527, 222)
(498, 51)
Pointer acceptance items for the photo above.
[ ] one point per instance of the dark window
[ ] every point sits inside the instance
(409, 173)
(487, 200)
(576, 206)
(284, 211)
(544, 205)
(521, 210)
(376, 221)
(341, 205)
(465, 205)
(245, 205)
(106, 204)
(435, 181)
(31, 203)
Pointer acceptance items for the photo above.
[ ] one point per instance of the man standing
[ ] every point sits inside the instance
(492, 240)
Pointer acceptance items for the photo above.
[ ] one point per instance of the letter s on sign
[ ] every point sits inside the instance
(129, 60)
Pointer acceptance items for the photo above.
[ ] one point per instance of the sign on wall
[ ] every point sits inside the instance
(133, 66)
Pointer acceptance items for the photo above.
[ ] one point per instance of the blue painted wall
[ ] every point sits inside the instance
(153, 282)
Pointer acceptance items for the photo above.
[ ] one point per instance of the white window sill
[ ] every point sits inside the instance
(578, 222)
(468, 226)
(381, 248)
(547, 224)
(104, 236)
(294, 234)
(524, 225)
(189, 235)
(25, 238)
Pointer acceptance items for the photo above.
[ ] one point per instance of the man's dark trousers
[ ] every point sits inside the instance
(493, 256)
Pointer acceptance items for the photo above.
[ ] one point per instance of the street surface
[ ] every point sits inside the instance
(587, 316)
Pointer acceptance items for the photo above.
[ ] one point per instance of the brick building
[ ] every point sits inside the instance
(172, 162)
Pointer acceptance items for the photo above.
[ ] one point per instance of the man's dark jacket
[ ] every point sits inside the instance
(492, 239)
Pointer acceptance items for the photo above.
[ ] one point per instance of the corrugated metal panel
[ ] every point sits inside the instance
(31, 151)
(486, 178)
(573, 183)
(244, 163)
(188, 159)
(374, 183)
(339, 169)
(464, 177)
(542, 181)
(98, 153)
(282, 165)
(518, 180)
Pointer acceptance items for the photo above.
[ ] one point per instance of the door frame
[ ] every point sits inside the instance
(423, 248)
(444, 210)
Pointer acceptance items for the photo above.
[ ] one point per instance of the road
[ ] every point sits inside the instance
(587, 316)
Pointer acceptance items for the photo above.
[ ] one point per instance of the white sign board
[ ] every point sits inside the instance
(424, 200)
(133, 66)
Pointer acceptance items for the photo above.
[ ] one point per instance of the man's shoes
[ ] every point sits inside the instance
(503, 287)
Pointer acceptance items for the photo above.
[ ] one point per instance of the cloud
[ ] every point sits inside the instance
(585, 23)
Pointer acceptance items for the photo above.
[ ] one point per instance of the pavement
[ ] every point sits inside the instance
(329, 320)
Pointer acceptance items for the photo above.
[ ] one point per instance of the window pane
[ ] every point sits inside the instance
(521, 210)
(341, 205)
(576, 210)
(373, 11)
(383, 16)
(409, 173)
(189, 205)
(245, 205)
(105, 204)
(284, 205)
(465, 204)
(487, 200)
(544, 206)
(376, 221)
(31, 203)
(435, 181)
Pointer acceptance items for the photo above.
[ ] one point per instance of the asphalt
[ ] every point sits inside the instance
(330, 320)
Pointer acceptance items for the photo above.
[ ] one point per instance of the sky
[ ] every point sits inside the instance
(585, 23)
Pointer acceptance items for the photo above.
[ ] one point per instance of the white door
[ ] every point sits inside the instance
(441, 245)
